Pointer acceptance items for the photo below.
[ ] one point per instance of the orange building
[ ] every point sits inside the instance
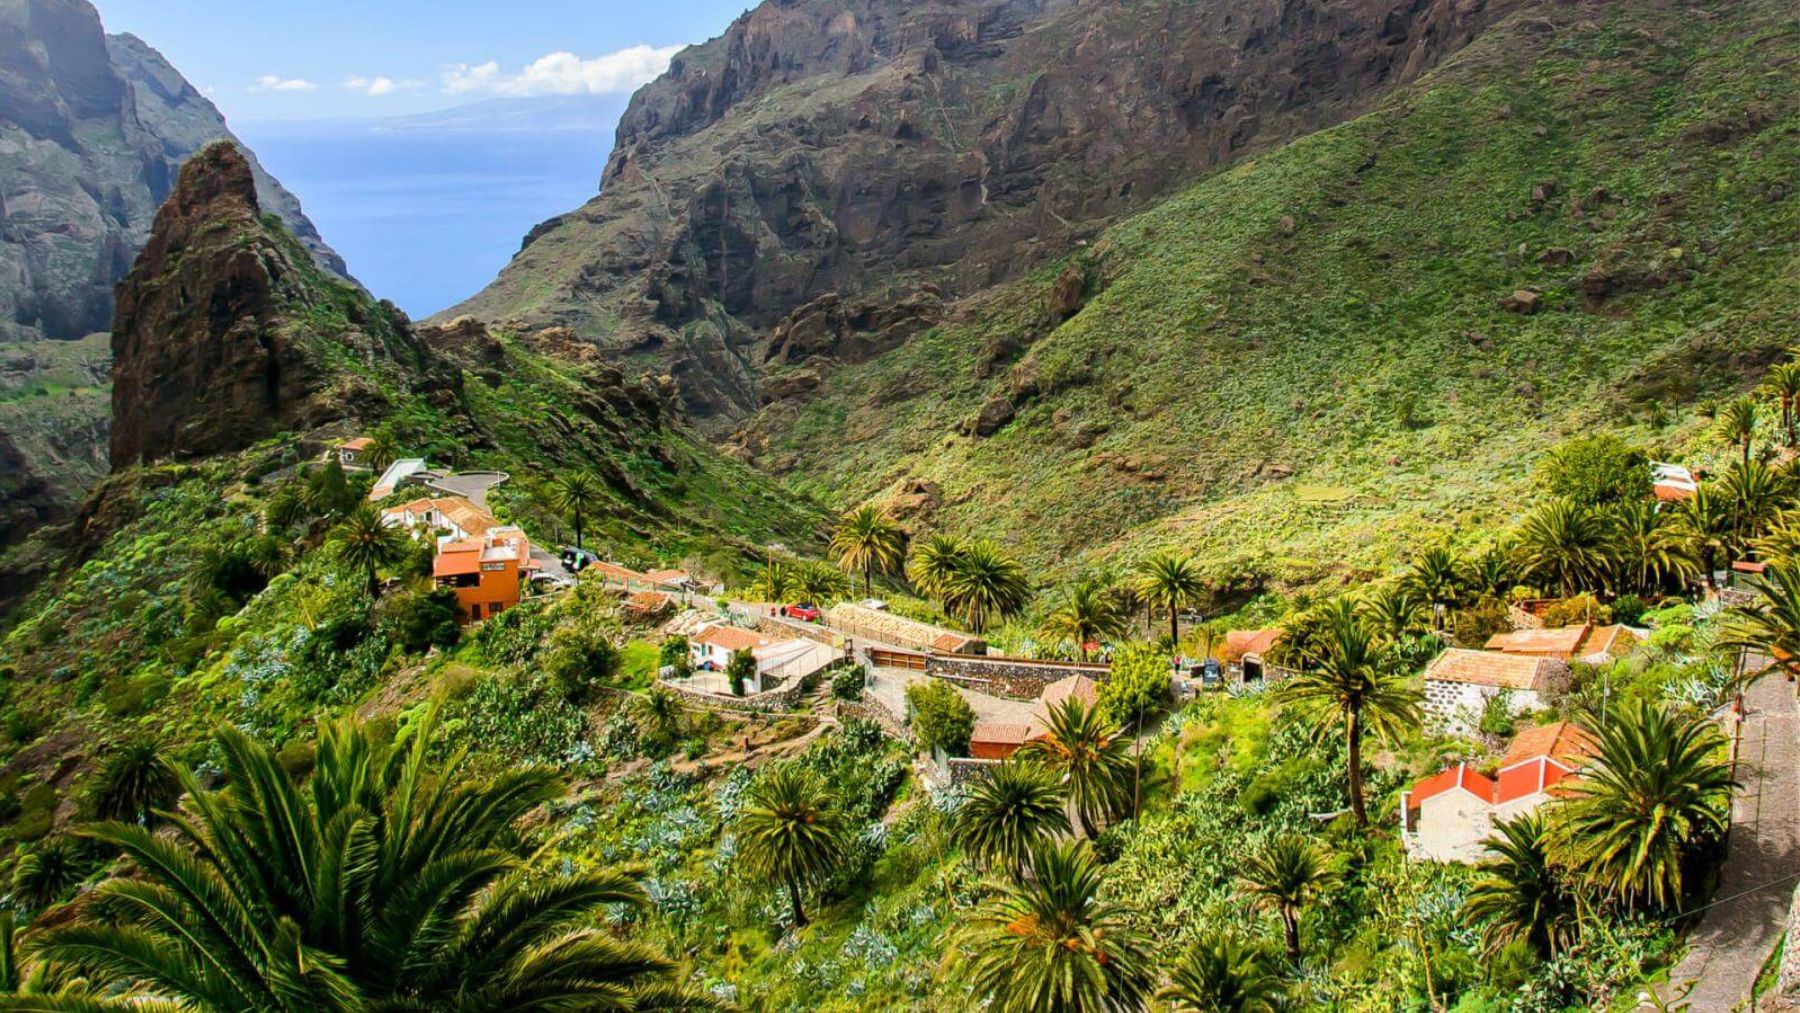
(487, 573)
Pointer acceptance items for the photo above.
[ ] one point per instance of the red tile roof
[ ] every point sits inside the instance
(1539, 759)
(614, 571)
(359, 443)
(1559, 740)
(1558, 643)
(1671, 492)
(458, 558)
(1241, 642)
(1000, 733)
(730, 638)
(647, 601)
(1493, 668)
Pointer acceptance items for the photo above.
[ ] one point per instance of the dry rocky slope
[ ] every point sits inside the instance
(93, 129)
(811, 187)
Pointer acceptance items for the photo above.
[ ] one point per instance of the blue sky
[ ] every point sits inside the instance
(303, 59)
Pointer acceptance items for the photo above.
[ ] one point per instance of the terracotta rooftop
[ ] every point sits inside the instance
(1565, 642)
(1492, 668)
(730, 638)
(359, 443)
(1241, 642)
(458, 558)
(474, 521)
(613, 571)
(647, 601)
(1075, 687)
(1559, 740)
(1001, 733)
(886, 627)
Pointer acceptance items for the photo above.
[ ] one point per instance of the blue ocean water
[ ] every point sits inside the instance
(427, 216)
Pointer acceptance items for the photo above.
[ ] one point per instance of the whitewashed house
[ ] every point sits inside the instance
(1460, 682)
(1449, 816)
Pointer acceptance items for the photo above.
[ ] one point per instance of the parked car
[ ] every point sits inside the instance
(576, 560)
(807, 612)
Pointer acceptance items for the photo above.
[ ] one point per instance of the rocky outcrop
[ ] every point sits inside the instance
(224, 329)
(847, 150)
(92, 131)
(853, 330)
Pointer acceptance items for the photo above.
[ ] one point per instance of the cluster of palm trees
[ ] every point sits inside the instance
(1656, 789)
(382, 881)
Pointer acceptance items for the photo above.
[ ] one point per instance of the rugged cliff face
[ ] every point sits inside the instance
(866, 150)
(93, 129)
(226, 332)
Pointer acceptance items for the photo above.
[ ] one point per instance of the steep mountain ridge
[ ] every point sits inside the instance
(93, 129)
(1331, 354)
(224, 335)
(874, 153)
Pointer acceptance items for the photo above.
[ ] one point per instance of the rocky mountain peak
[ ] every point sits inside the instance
(226, 333)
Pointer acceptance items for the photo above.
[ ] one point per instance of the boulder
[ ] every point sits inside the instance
(993, 416)
(1523, 301)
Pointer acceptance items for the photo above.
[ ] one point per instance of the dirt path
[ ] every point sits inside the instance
(1728, 948)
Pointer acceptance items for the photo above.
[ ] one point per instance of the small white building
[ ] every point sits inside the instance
(350, 452)
(451, 517)
(711, 646)
(1449, 816)
(1460, 682)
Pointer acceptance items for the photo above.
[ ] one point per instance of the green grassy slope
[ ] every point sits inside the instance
(1301, 363)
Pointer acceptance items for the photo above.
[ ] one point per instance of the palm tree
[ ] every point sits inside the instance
(1011, 812)
(818, 582)
(134, 781)
(382, 450)
(1089, 756)
(1090, 612)
(1706, 520)
(284, 509)
(1490, 573)
(791, 830)
(1521, 895)
(1349, 680)
(48, 871)
(933, 567)
(362, 542)
(327, 492)
(774, 583)
(1284, 877)
(867, 540)
(987, 584)
(1649, 548)
(1393, 612)
(1758, 494)
(378, 882)
(1783, 386)
(1657, 784)
(1768, 627)
(1736, 424)
(1048, 944)
(1782, 542)
(1170, 580)
(575, 493)
(1220, 974)
(1435, 578)
(1567, 544)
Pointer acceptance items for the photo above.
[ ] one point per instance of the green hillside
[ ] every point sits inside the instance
(1302, 363)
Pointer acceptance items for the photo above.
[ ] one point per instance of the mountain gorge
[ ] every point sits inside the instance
(93, 129)
(828, 173)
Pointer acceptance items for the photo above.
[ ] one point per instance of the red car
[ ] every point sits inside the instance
(806, 613)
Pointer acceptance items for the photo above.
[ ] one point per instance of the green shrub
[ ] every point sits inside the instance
(1674, 637)
(847, 684)
(37, 812)
(740, 670)
(421, 618)
(1596, 469)
(579, 660)
(1497, 715)
(941, 718)
(131, 697)
(1137, 688)
(1628, 609)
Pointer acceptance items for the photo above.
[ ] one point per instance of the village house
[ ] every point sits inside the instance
(1245, 653)
(999, 740)
(646, 605)
(711, 646)
(349, 453)
(884, 627)
(486, 572)
(451, 517)
(1449, 816)
(1587, 643)
(396, 473)
(1671, 483)
(1460, 682)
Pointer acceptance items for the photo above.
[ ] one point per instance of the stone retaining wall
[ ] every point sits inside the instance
(783, 699)
(869, 710)
(1013, 678)
(966, 769)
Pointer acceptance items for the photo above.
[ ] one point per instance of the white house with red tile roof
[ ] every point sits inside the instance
(1449, 816)
(1460, 682)
(711, 646)
(349, 453)
(458, 518)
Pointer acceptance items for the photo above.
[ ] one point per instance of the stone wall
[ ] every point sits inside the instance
(1787, 986)
(791, 629)
(1455, 707)
(961, 770)
(870, 710)
(1014, 678)
(783, 699)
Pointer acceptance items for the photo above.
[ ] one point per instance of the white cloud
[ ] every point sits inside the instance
(379, 85)
(270, 82)
(563, 73)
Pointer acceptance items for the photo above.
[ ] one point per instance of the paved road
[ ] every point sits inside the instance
(1734, 939)
(472, 486)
